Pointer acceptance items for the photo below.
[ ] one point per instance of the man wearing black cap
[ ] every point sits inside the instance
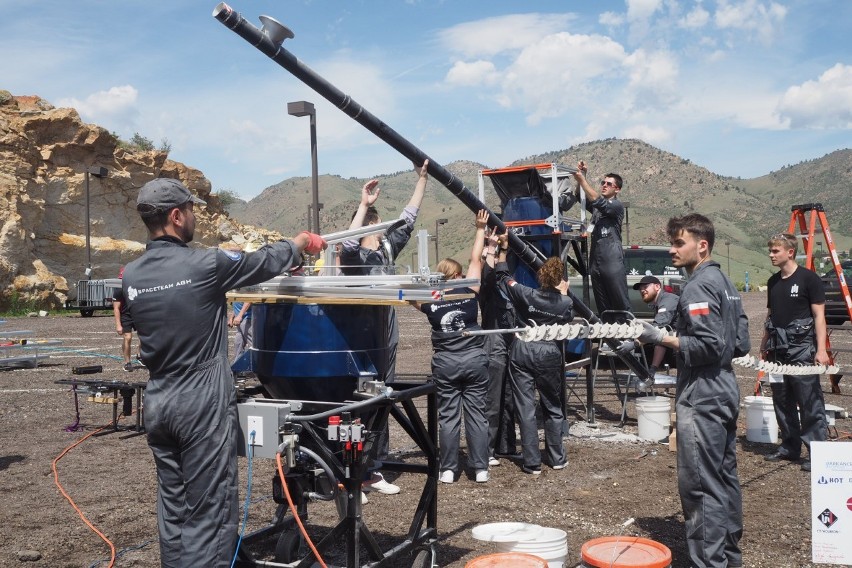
(664, 305)
(176, 298)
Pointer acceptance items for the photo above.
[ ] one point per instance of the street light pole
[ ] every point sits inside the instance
(627, 220)
(304, 108)
(728, 244)
(438, 222)
(98, 172)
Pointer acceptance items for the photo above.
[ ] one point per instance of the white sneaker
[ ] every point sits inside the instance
(364, 499)
(492, 461)
(378, 483)
(561, 466)
(447, 476)
(482, 475)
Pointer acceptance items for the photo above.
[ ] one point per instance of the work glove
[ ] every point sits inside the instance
(651, 333)
(625, 347)
(316, 243)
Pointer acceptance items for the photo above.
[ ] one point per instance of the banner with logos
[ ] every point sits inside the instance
(831, 502)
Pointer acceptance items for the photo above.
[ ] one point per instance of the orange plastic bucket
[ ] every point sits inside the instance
(507, 560)
(625, 552)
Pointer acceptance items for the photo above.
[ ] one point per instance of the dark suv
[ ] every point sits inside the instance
(641, 260)
(836, 312)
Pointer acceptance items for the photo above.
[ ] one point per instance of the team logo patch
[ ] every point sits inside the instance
(827, 518)
(699, 309)
(234, 255)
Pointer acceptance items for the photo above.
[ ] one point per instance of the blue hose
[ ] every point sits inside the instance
(250, 454)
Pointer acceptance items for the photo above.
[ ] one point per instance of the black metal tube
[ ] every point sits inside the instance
(248, 31)
(526, 253)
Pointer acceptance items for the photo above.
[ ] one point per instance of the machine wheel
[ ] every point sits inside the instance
(287, 547)
(423, 559)
(87, 312)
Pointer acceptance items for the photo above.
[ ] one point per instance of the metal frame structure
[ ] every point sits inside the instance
(556, 172)
(311, 420)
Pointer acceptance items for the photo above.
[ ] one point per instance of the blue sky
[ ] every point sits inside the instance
(742, 87)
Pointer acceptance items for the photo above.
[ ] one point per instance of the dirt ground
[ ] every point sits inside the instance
(612, 475)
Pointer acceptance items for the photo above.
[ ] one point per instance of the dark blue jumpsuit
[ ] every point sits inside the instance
(665, 315)
(606, 256)
(176, 298)
(712, 329)
(460, 372)
(537, 365)
(498, 313)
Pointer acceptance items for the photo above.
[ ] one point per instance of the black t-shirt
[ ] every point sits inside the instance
(790, 298)
(449, 317)
(118, 296)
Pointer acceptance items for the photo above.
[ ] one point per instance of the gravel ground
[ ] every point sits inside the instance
(612, 474)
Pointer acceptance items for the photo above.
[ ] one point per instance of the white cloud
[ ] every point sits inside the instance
(560, 72)
(116, 106)
(656, 135)
(824, 103)
(653, 78)
(491, 36)
(729, 101)
(245, 127)
(642, 9)
(762, 19)
(611, 19)
(594, 131)
(698, 17)
(471, 74)
(641, 19)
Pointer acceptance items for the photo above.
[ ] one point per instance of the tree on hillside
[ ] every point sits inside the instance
(226, 197)
(139, 142)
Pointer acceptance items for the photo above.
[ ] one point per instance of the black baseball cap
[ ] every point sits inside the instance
(161, 194)
(646, 280)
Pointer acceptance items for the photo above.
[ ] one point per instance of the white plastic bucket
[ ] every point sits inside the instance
(761, 425)
(547, 543)
(653, 413)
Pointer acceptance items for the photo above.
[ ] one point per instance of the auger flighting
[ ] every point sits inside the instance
(583, 330)
(633, 330)
(770, 367)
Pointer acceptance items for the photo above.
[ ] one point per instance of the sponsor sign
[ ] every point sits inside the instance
(831, 503)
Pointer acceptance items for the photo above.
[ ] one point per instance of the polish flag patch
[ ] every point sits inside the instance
(699, 309)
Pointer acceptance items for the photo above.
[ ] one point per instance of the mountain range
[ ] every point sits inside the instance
(657, 185)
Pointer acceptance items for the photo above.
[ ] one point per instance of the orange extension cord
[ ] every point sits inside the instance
(295, 513)
(112, 546)
(70, 500)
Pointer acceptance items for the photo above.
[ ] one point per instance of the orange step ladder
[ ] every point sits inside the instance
(805, 218)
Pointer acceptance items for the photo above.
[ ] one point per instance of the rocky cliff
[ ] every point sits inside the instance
(45, 153)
